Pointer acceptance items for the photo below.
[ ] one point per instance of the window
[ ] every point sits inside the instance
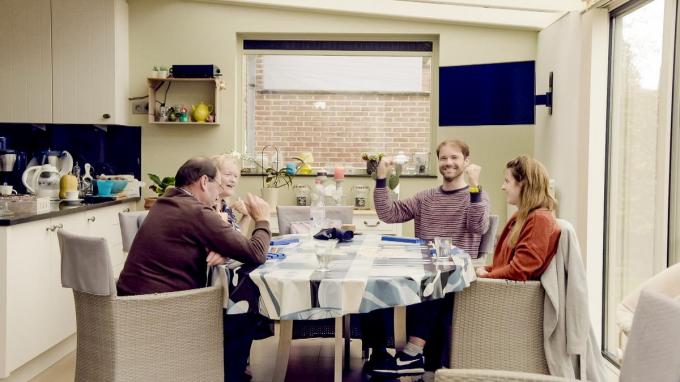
(636, 225)
(337, 99)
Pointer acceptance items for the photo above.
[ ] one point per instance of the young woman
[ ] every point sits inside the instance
(230, 172)
(529, 239)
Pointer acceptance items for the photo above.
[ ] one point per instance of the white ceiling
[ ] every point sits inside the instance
(522, 14)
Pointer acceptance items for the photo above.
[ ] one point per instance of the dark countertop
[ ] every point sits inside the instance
(58, 209)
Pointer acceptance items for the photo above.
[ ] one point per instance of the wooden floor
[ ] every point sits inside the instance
(310, 360)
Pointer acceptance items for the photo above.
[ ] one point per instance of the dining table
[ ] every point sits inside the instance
(369, 272)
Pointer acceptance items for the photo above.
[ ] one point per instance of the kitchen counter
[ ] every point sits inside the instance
(57, 209)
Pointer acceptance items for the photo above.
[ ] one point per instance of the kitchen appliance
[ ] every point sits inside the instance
(12, 165)
(42, 181)
(61, 160)
(194, 71)
(361, 193)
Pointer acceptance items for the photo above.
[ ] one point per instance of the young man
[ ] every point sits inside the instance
(456, 209)
(182, 235)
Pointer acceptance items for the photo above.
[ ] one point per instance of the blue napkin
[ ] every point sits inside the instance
(401, 239)
(284, 241)
(276, 256)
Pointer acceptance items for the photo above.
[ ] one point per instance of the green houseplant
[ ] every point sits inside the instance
(272, 180)
(159, 187)
(372, 162)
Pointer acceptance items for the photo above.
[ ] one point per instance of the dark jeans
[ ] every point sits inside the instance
(239, 332)
(429, 320)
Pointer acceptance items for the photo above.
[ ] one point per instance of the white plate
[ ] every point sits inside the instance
(71, 201)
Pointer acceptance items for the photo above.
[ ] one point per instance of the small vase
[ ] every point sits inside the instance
(371, 166)
(148, 202)
(271, 196)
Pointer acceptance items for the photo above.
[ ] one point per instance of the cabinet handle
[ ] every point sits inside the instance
(372, 225)
(55, 227)
(127, 209)
(106, 116)
(91, 219)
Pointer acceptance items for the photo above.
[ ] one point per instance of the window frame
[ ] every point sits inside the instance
(240, 132)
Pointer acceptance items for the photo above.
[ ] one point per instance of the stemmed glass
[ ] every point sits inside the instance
(323, 250)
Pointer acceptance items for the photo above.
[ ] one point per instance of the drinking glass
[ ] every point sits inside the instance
(323, 250)
(442, 246)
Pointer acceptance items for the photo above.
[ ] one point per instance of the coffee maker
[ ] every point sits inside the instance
(12, 165)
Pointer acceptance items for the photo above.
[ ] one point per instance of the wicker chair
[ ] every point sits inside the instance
(161, 337)
(652, 354)
(498, 324)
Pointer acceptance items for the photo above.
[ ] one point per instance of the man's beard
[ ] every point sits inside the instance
(450, 178)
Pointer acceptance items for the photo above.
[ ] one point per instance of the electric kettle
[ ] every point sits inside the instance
(43, 181)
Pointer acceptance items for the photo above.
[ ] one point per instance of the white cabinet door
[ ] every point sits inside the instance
(40, 313)
(103, 222)
(27, 299)
(90, 80)
(25, 62)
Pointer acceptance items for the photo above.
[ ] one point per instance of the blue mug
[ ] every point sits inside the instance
(291, 168)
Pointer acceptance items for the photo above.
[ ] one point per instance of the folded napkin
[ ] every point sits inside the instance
(334, 233)
(401, 239)
(284, 241)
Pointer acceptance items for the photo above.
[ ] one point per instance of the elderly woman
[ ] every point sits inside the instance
(230, 171)
(529, 239)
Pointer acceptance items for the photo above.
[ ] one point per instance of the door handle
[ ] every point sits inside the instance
(91, 219)
(55, 227)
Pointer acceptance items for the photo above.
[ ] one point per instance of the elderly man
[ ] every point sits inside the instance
(182, 235)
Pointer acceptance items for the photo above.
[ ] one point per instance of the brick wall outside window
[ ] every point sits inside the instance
(351, 122)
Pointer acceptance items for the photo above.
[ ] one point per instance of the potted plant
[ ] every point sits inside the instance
(272, 180)
(159, 187)
(372, 162)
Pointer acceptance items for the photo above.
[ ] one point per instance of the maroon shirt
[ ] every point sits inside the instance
(170, 249)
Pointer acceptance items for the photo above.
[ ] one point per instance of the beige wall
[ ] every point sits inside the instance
(182, 32)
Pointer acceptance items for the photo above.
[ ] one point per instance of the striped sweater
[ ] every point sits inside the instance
(438, 213)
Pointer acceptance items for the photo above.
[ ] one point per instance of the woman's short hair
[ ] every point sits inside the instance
(222, 160)
(193, 169)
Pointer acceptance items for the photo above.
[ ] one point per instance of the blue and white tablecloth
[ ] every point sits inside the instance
(365, 274)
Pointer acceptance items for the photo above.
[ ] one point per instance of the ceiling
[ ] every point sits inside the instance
(521, 14)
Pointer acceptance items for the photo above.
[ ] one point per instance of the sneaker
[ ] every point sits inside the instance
(399, 365)
(378, 357)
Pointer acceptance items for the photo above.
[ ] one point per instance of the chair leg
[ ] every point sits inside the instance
(284, 329)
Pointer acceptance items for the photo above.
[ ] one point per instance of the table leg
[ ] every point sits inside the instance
(285, 333)
(337, 368)
(399, 327)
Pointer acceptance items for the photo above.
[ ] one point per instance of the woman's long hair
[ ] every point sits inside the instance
(534, 194)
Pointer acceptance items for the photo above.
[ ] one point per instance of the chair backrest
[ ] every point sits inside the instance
(653, 348)
(288, 214)
(129, 225)
(498, 324)
(486, 245)
(86, 264)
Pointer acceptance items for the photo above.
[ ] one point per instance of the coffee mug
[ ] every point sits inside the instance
(6, 190)
(71, 195)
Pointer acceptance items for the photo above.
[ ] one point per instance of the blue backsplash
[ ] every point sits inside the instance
(110, 149)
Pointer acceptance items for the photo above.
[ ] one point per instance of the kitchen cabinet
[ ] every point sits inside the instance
(90, 61)
(67, 61)
(25, 62)
(38, 312)
(183, 92)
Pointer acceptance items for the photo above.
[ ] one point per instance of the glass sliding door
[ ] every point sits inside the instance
(636, 226)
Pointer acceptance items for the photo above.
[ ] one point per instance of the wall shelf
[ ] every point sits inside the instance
(183, 92)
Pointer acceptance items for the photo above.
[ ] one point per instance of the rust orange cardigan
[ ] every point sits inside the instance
(536, 245)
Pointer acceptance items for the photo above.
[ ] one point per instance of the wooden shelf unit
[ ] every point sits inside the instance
(185, 92)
